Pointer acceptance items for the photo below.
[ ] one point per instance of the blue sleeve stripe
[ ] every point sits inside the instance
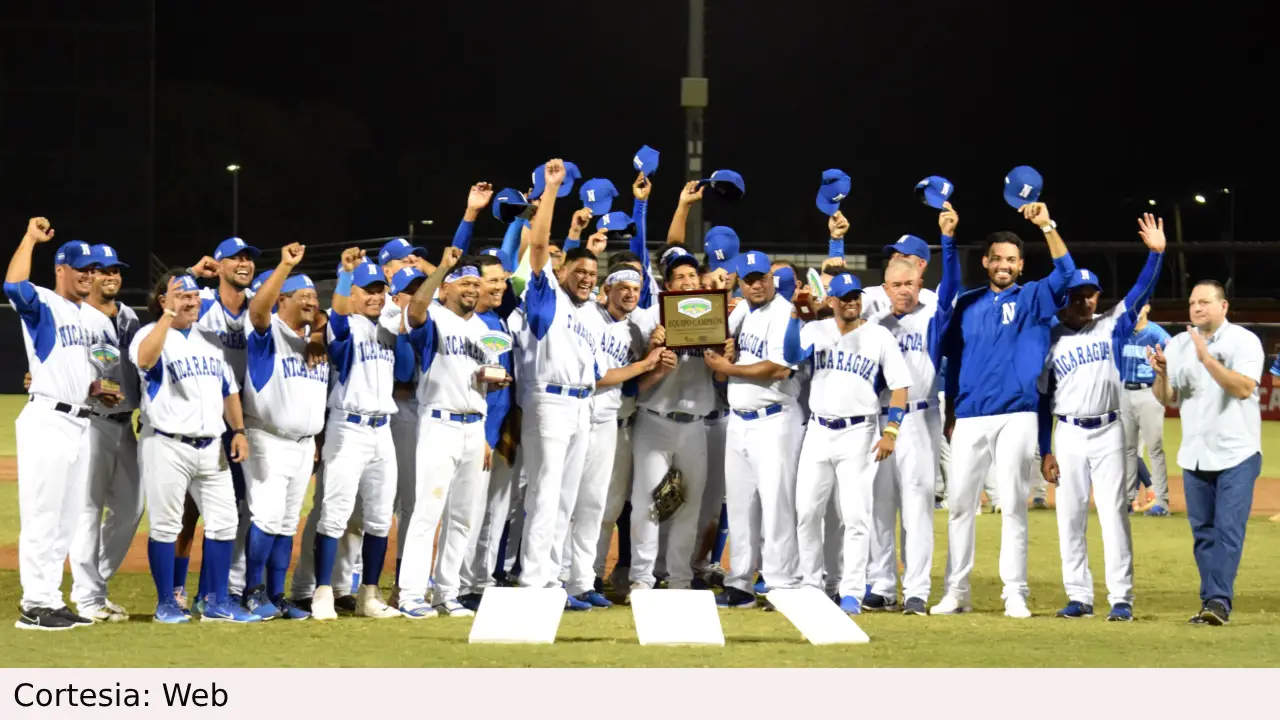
(423, 339)
(205, 305)
(540, 303)
(260, 358)
(155, 377)
(404, 359)
(23, 295)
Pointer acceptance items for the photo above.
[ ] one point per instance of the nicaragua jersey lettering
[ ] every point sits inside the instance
(849, 370)
(759, 334)
(282, 394)
(56, 342)
(616, 349)
(182, 394)
(554, 346)
(451, 352)
(230, 328)
(110, 338)
(1086, 380)
(689, 388)
(362, 354)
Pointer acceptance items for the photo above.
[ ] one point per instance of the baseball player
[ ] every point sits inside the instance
(843, 442)
(358, 454)
(1081, 381)
(286, 384)
(995, 343)
(875, 299)
(762, 439)
(557, 365)
(905, 481)
(101, 541)
(52, 431)
(452, 452)
(190, 389)
(1141, 415)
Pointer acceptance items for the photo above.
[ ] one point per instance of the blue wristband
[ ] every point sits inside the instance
(896, 415)
(344, 283)
(835, 248)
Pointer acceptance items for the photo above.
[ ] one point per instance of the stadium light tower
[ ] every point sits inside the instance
(235, 199)
(693, 97)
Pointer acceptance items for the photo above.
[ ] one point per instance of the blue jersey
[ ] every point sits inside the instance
(497, 400)
(996, 343)
(1132, 357)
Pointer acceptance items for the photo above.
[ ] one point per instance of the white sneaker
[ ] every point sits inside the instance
(322, 603)
(452, 608)
(417, 610)
(115, 609)
(1016, 607)
(369, 604)
(950, 605)
(98, 614)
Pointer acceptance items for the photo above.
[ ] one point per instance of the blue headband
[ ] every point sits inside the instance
(465, 271)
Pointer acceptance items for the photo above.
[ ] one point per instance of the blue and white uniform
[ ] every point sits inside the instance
(1140, 413)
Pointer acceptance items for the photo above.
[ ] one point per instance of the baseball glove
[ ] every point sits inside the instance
(668, 496)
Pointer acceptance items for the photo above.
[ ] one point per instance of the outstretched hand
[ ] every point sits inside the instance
(1151, 230)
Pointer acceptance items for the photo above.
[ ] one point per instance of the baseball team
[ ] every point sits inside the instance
(511, 413)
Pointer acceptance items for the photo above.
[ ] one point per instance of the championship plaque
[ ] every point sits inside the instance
(695, 318)
(106, 361)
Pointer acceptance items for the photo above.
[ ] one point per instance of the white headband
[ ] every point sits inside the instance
(627, 275)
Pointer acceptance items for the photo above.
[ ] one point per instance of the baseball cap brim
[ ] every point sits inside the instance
(827, 207)
(1016, 201)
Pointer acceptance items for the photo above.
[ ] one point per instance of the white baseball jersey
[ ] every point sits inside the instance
(555, 346)
(281, 394)
(229, 328)
(363, 357)
(875, 301)
(1083, 364)
(850, 369)
(451, 352)
(109, 339)
(759, 334)
(689, 388)
(183, 392)
(915, 338)
(56, 341)
(616, 348)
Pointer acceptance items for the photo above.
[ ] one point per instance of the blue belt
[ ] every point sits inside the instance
(916, 406)
(1088, 423)
(373, 421)
(464, 418)
(680, 417)
(575, 392)
(773, 409)
(198, 443)
(840, 423)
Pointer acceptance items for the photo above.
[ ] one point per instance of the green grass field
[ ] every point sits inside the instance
(1165, 578)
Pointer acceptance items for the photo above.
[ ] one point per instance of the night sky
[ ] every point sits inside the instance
(349, 123)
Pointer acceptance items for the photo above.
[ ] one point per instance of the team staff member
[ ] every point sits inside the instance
(1141, 413)
(113, 504)
(53, 428)
(995, 344)
(190, 390)
(1214, 369)
(285, 394)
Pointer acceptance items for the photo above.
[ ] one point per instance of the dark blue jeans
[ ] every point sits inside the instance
(1218, 505)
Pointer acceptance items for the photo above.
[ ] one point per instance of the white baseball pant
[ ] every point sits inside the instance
(345, 563)
(585, 509)
(713, 493)
(760, 493)
(616, 497)
(358, 461)
(660, 444)
(460, 530)
(838, 461)
(170, 471)
(1143, 418)
(276, 476)
(404, 435)
(832, 545)
(111, 512)
(555, 434)
(977, 443)
(905, 481)
(477, 572)
(53, 470)
(1094, 457)
(450, 454)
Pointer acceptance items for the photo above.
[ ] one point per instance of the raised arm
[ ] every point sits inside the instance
(640, 241)
(837, 227)
(680, 219)
(477, 200)
(416, 313)
(152, 345)
(577, 224)
(792, 351)
(510, 246)
(540, 233)
(1052, 291)
(351, 257)
(267, 295)
(17, 285)
(949, 288)
(1151, 229)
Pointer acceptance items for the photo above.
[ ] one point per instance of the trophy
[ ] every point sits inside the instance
(106, 360)
(695, 319)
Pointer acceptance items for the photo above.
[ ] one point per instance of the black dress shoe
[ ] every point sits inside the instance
(65, 613)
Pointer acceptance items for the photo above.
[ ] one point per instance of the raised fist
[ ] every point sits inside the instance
(553, 172)
(451, 257)
(838, 225)
(291, 254)
(1037, 213)
(479, 197)
(38, 229)
(948, 220)
(641, 187)
(351, 258)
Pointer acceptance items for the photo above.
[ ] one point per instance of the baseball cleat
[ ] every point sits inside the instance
(227, 611)
(851, 605)
(1120, 612)
(42, 619)
(99, 614)
(1215, 613)
(257, 602)
(170, 613)
(65, 613)
(369, 604)
(915, 606)
(1156, 511)
(1016, 607)
(734, 598)
(288, 610)
(197, 608)
(345, 604)
(1076, 609)
(452, 608)
(322, 603)
(595, 599)
(872, 602)
(573, 603)
(626, 597)
(999, 510)
(471, 601)
(618, 579)
(417, 610)
(1040, 504)
(950, 605)
(760, 587)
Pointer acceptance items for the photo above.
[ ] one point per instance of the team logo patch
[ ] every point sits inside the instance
(694, 307)
(105, 354)
(496, 342)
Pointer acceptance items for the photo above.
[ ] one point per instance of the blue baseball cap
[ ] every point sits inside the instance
(618, 222)
(234, 246)
(784, 281)
(676, 256)
(1084, 278)
(367, 274)
(934, 191)
(257, 282)
(187, 283)
(295, 283)
(1022, 185)
(909, 245)
(721, 245)
(726, 183)
(571, 175)
(399, 249)
(750, 263)
(646, 160)
(844, 285)
(509, 205)
(835, 187)
(598, 195)
(76, 253)
(106, 256)
(403, 278)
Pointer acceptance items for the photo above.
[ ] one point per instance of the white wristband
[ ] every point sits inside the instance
(1050, 227)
